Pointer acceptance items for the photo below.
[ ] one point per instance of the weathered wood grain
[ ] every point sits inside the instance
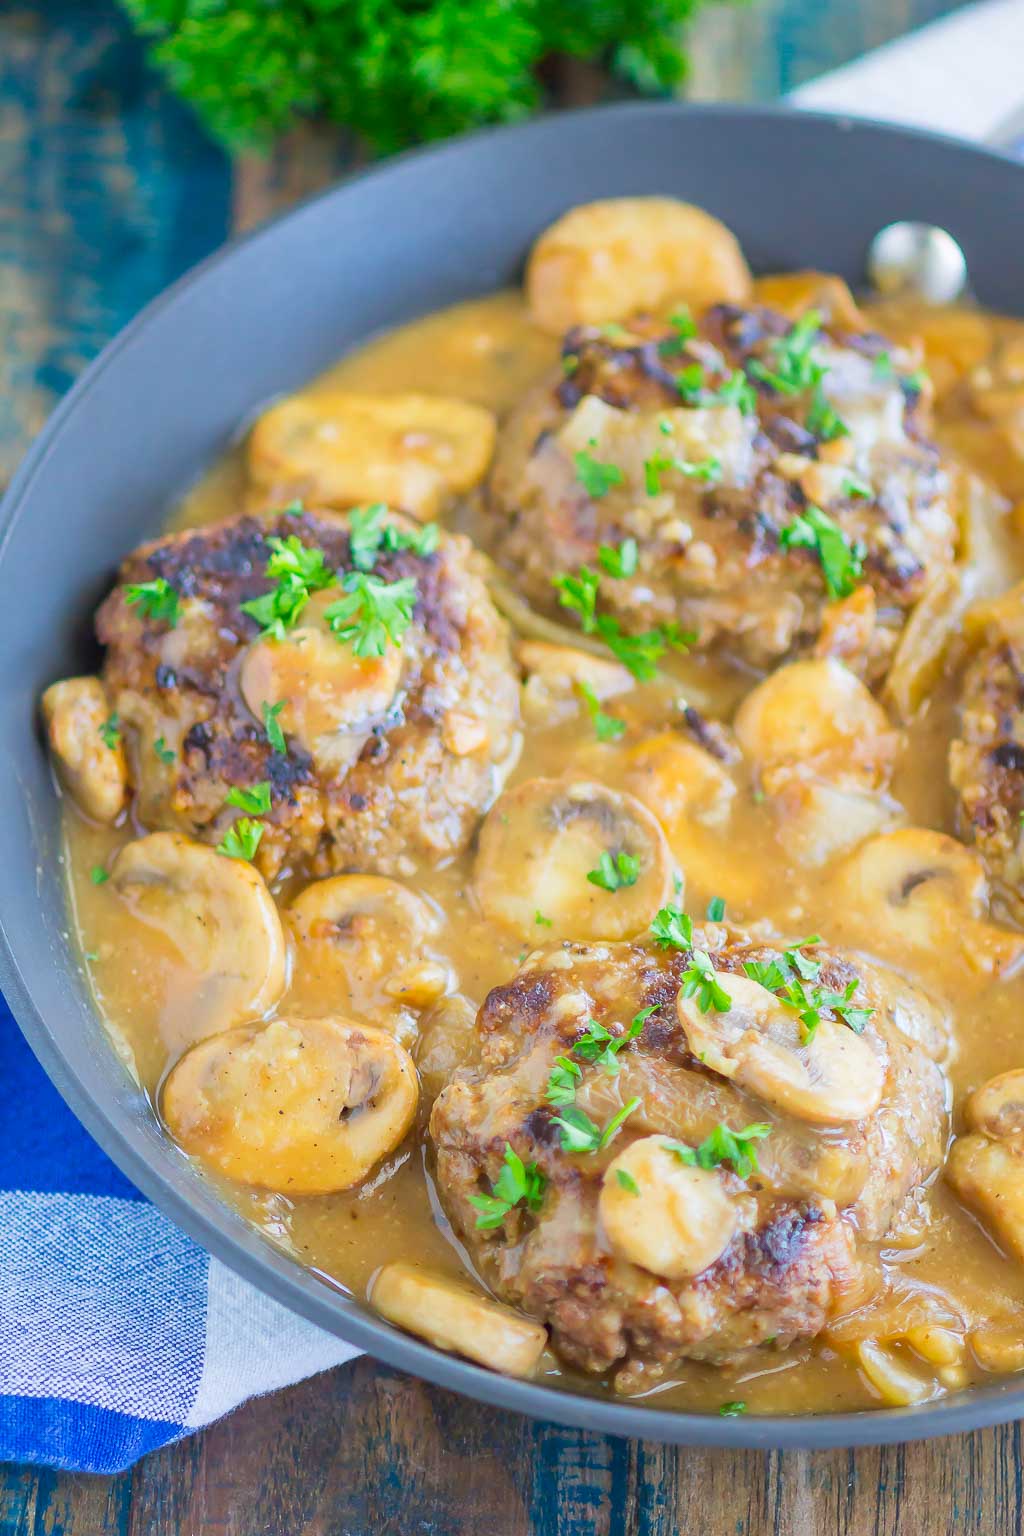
(107, 191)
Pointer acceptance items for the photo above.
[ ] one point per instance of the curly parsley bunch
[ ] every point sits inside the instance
(395, 71)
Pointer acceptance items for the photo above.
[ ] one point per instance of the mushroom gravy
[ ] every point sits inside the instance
(952, 1305)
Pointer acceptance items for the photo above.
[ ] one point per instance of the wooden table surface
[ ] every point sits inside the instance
(107, 192)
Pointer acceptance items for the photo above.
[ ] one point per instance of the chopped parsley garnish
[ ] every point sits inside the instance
(110, 730)
(915, 381)
(842, 562)
(639, 653)
(856, 488)
(518, 1183)
(732, 1410)
(708, 470)
(606, 727)
(368, 536)
(615, 871)
(620, 561)
(579, 1133)
(787, 976)
(298, 569)
(672, 928)
(626, 1181)
(98, 875)
(683, 328)
(541, 920)
(822, 418)
(565, 1074)
(242, 840)
(792, 370)
(597, 479)
(255, 801)
(155, 599)
(723, 1146)
(701, 981)
(601, 1048)
(883, 366)
(163, 751)
(373, 614)
(735, 390)
(271, 725)
(716, 909)
(570, 362)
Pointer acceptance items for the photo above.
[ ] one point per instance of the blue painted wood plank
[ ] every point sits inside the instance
(108, 191)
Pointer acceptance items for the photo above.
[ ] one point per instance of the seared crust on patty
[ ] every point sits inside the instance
(709, 549)
(412, 778)
(793, 1262)
(986, 761)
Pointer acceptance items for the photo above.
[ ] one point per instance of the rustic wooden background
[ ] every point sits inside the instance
(107, 192)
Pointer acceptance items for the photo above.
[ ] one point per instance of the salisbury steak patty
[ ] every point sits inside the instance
(709, 449)
(634, 1257)
(373, 760)
(986, 760)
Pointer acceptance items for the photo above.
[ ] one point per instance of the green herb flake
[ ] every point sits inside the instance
(823, 420)
(155, 599)
(700, 980)
(736, 389)
(541, 920)
(374, 613)
(855, 488)
(298, 570)
(716, 909)
(620, 561)
(792, 369)
(615, 871)
(842, 561)
(732, 1410)
(708, 470)
(272, 726)
(565, 1075)
(606, 727)
(626, 1181)
(597, 479)
(163, 751)
(255, 800)
(736, 1148)
(683, 330)
(578, 1132)
(518, 1183)
(98, 875)
(882, 368)
(793, 977)
(672, 928)
(242, 839)
(110, 730)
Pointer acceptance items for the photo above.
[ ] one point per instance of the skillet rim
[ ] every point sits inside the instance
(228, 1237)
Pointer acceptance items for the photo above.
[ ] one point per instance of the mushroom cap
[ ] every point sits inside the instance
(453, 1317)
(611, 259)
(997, 1107)
(302, 1106)
(220, 917)
(833, 1078)
(95, 773)
(540, 842)
(667, 1217)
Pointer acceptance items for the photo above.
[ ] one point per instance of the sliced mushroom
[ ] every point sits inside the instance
(997, 1107)
(815, 821)
(452, 1317)
(361, 943)
(815, 719)
(609, 260)
(833, 1078)
(558, 674)
(657, 1212)
(447, 1040)
(540, 842)
(218, 915)
(897, 1386)
(338, 450)
(302, 1106)
(91, 764)
(919, 894)
(919, 657)
(332, 698)
(989, 1178)
(794, 293)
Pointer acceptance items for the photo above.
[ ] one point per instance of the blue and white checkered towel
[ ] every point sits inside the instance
(117, 1334)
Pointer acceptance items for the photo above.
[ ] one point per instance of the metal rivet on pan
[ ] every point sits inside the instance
(918, 261)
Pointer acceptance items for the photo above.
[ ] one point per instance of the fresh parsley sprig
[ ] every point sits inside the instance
(155, 599)
(242, 839)
(841, 559)
(369, 535)
(737, 1148)
(373, 614)
(110, 730)
(578, 1133)
(606, 727)
(615, 872)
(298, 570)
(793, 977)
(518, 1183)
(254, 800)
(597, 479)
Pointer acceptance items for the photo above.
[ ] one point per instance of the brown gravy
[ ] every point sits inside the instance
(486, 351)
